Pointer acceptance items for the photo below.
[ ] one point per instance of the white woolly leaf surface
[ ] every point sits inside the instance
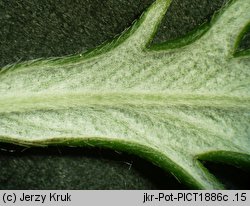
(168, 105)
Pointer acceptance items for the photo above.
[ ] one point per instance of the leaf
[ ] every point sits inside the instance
(170, 104)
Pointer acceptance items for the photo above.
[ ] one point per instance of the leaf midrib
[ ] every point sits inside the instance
(22, 103)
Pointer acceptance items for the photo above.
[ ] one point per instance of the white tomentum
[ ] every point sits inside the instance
(177, 104)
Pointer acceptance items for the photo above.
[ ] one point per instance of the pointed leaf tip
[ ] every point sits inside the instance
(146, 27)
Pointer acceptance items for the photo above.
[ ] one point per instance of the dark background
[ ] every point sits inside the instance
(31, 29)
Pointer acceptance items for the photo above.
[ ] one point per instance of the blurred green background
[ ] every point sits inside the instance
(31, 29)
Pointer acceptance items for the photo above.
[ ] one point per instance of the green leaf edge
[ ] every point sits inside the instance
(232, 158)
(106, 46)
(151, 155)
(143, 151)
